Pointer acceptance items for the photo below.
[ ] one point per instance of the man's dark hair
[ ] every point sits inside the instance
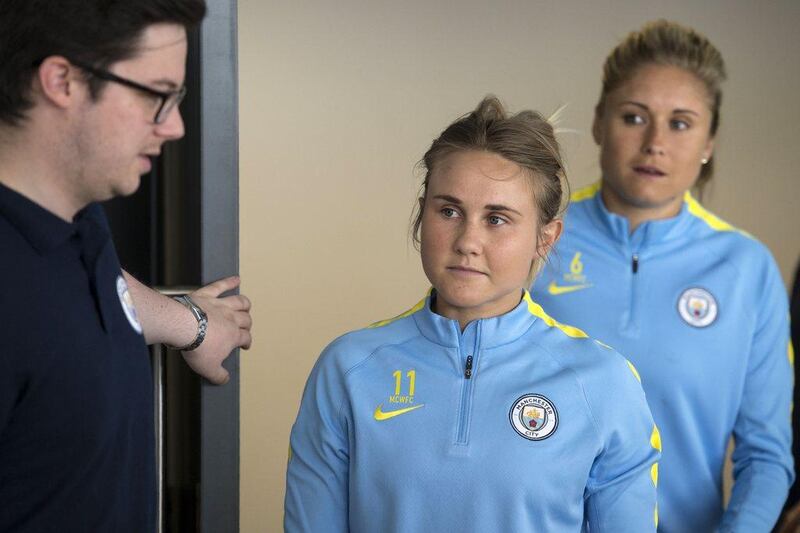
(95, 32)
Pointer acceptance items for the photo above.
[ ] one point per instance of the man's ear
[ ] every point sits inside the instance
(549, 235)
(56, 81)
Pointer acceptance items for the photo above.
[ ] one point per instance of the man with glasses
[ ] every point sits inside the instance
(89, 91)
(167, 99)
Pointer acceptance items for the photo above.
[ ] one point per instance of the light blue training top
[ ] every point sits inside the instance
(518, 423)
(701, 311)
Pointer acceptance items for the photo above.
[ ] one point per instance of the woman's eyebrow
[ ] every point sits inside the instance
(448, 198)
(500, 207)
(641, 105)
(488, 207)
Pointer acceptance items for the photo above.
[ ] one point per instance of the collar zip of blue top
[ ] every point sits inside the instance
(468, 368)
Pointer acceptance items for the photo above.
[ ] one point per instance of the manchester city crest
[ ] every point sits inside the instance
(126, 302)
(697, 307)
(533, 417)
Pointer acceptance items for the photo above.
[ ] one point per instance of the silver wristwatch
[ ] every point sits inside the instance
(202, 324)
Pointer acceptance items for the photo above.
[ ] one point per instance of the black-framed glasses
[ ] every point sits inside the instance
(168, 99)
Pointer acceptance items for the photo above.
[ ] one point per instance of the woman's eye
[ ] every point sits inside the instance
(495, 220)
(677, 124)
(449, 212)
(632, 118)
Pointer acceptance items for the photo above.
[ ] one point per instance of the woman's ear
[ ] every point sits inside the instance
(597, 124)
(548, 236)
(709, 149)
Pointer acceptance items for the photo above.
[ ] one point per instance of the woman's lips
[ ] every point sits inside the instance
(465, 271)
(649, 171)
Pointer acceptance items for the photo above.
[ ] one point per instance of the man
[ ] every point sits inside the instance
(89, 91)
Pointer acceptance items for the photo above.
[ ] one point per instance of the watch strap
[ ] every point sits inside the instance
(202, 323)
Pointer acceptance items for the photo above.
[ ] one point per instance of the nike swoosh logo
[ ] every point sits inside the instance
(381, 415)
(555, 290)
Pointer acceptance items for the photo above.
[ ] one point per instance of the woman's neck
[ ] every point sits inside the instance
(637, 214)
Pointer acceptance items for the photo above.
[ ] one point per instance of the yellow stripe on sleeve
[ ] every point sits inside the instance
(655, 438)
(635, 372)
(655, 442)
(604, 345)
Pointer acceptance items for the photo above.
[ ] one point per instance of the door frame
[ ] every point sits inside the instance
(219, 218)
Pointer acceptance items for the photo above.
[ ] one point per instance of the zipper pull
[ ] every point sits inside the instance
(635, 263)
(468, 368)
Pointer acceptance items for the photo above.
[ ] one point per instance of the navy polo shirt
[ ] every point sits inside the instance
(76, 406)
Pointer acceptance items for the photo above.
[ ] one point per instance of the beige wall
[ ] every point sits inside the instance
(340, 99)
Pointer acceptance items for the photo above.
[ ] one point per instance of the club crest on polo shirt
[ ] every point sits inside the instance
(697, 307)
(533, 417)
(126, 301)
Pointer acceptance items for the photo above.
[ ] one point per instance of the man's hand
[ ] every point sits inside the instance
(228, 328)
(166, 321)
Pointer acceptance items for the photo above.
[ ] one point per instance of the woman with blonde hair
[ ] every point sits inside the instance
(474, 410)
(698, 306)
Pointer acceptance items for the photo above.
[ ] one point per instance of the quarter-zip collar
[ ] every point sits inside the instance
(648, 233)
(494, 331)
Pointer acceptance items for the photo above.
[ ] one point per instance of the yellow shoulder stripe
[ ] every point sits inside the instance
(655, 442)
(604, 345)
(584, 193)
(635, 372)
(655, 438)
(713, 221)
(790, 353)
(537, 311)
(411, 311)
